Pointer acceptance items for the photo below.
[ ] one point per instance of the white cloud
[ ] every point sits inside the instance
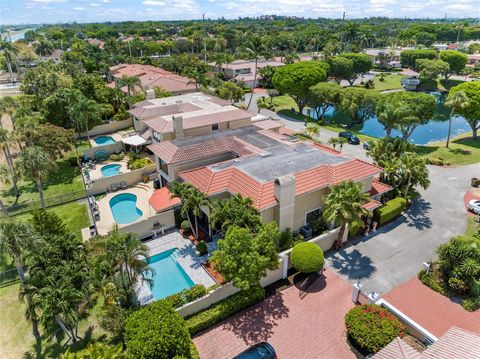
(78, 8)
(153, 3)
(94, 4)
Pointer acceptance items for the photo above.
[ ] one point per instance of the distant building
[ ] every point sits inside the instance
(151, 77)
(473, 60)
(96, 42)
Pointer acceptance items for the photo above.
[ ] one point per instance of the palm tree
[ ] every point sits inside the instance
(84, 110)
(15, 238)
(4, 144)
(414, 170)
(340, 141)
(10, 52)
(256, 49)
(312, 129)
(456, 101)
(131, 82)
(236, 210)
(36, 164)
(8, 105)
(43, 47)
(344, 204)
(5, 177)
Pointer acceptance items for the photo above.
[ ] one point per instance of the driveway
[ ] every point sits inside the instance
(393, 254)
(298, 324)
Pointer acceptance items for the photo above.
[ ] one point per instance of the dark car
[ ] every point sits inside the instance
(261, 350)
(366, 146)
(352, 139)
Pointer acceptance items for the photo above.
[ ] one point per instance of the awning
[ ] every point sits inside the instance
(370, 206)
(160, 200)
(134, 140)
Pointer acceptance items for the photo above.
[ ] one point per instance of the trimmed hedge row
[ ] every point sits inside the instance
(187, 295)
(223, 309)
(390, 210)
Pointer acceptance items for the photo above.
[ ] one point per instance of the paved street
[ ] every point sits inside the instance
(395, 252)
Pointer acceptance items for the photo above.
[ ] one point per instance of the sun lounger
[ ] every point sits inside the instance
(123, 185)
(113, 187)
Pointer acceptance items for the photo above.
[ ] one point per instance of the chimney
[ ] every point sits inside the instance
(285, 195)
(178, 126)
(150, 94)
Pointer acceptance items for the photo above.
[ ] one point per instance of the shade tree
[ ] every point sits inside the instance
(456, 61)
(472, 111)
(359, 103)
(323, 97)
(361, 64)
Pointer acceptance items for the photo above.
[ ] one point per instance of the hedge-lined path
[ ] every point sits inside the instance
(392, 255)
(294, 322)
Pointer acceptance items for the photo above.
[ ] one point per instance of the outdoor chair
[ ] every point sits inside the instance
(123, 185)
(113, 187)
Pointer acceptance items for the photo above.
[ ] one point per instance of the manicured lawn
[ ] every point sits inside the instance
(16, 339)
(390, 82)
(284, 102)
(74, 215)
(461, 151)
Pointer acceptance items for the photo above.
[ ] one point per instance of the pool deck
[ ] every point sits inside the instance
(143, 191)
(187, 258)
(117, 136)
(96, 173)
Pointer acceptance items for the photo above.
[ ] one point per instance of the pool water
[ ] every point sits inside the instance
(169, 277)
(110, 170)
(435, 130)
(124, 208)
(104, 140)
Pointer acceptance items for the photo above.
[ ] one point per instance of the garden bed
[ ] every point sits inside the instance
(208, 266)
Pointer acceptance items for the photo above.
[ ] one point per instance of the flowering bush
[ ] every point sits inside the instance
(372, 327)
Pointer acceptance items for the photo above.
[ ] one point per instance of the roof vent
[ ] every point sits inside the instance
(265, 154)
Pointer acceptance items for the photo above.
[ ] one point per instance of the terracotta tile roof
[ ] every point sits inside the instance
(456, 343)
(370, 206)
(379, 188)
(233, 180)
(160, 200)
(397, 349)
(162, 125)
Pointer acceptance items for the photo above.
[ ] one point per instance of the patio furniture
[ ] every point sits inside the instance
(123, 185)
(113, 187)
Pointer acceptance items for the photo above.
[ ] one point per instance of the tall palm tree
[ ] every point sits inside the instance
(5, 177)
(36, 164)
(236, 210)
(15, 238)
(43, 47)
(456, 101)
(132, 82)
(344, 204)
(10, 52)
(312, 129)
(256, 48)
(84, 110)
(4, 144)
(414, 170)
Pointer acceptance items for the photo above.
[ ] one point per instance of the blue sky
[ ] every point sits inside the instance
(37, 11)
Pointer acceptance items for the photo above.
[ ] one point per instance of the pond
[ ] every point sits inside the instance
(435, 130)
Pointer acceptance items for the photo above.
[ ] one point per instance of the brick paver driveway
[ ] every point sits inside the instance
(298, 324)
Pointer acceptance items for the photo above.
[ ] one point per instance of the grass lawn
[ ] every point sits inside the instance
(284, 102)
(391, 82)
(16, 339)
(64, 181)
(462, 151)
(472, 226)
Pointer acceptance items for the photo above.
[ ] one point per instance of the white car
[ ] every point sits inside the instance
(474, 206)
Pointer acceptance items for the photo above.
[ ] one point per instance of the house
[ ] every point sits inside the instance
(393, 56)
(242, 71)
(96, 42)
(189, 115)
(151, 77)
(473, 60)
(55, 56)
(285, 178)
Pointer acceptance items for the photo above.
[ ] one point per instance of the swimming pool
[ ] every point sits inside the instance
(124, 208)
(110, 170)
(169, 277)
(104, 140)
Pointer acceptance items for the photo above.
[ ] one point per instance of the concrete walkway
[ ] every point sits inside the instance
(393, 254)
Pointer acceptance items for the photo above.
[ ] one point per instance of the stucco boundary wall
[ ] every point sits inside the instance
(110, 127)
(324, 241)
(145, 228)
(109, 149)
(131, 178)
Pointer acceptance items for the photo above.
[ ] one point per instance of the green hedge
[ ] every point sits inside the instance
(307, 257)
(390, 210)
(224, 309)
(187, 295)
(372, 327)
(354, 227)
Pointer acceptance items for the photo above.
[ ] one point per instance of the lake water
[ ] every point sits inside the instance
(435, 130)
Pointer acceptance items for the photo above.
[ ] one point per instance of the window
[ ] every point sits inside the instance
(313, 215)
(215, 127)
(163, 166)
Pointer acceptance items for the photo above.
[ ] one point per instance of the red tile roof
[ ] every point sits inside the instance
(370, 206)
(233, 180)
(379, 188)
(160, 200)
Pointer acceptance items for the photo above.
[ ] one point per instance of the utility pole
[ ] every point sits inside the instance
(204, 39)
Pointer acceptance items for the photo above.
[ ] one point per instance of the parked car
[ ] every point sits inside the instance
(366, 146)
(261, 350)
(352, 139)
(474, 206)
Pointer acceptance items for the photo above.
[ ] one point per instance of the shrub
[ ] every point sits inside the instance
(437, 161)
(96, 350)
(224, 309)
(307, 257)
(354, 227)
(73, 161)
(431, 280)
(390, 210)
(185, 226)
(202, 248)
(457, 285)
(372, 327)
(187, 295)
(116, 156)
(471, 304)
(140, 163)
(157, 331)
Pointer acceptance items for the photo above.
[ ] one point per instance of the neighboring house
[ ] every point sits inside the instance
(286, 179)
(473, 60)
(96, 42)
(55, 56)
(193, 114)
(242, 71)
(440, 47)
(455, 343)
(393, 56)
(151, 77)
(410, 83)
